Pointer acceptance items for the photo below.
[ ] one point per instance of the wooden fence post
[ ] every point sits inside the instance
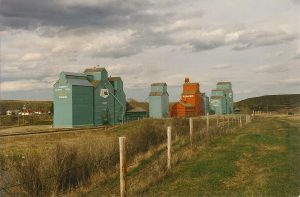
(228, 122)
(241, 123)
(169, 142)
(207, 122)
(223, 128)
(191, 130)
(123, 167)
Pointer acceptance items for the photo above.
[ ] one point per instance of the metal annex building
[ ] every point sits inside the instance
(205, 104)
(158, 101)
(87, 99)
(221, 101)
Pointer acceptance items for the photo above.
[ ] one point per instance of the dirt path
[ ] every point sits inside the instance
(26, 128)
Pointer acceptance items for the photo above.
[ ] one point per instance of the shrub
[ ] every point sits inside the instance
(149, 134)
(180, 126)
(29, 174)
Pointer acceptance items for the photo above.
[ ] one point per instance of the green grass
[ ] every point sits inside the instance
(147, 161)
(261, 160)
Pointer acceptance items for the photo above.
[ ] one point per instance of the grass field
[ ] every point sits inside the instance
(262, 160)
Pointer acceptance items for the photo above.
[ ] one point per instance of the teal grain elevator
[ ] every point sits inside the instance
(205, 103)
(158, 101)
(221, 100)
(89, 98)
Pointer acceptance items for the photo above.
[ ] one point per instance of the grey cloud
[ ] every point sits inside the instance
(27, 71)
(34, 13)
(291, 81)
(262, 38)
(296, 1)
(137, 43)
(205, 45)
(297, 56)
(272, 68)
(222, 66)
(56, 17)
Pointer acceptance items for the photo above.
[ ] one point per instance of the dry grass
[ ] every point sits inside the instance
(64, 162)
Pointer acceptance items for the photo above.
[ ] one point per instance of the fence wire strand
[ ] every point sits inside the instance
(231, 122)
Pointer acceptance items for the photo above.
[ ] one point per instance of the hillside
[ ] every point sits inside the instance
(131, 103)
(270, 103)
(260, 160)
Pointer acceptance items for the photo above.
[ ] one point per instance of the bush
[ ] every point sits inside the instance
(150, 134)
(65, 168)
(180, 126)
(29, 174)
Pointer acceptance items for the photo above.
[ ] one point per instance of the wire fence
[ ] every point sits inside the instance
(218, 125)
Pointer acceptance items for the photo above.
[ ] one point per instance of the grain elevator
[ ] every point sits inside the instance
(89, 98)
(158, 101)
(190, 103)
(221, 101)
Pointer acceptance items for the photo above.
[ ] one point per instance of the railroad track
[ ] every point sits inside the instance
(2, 135)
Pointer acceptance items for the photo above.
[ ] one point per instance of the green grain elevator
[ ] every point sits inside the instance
(96, 99)
(221, 101)
(73, 100)
(158, 101)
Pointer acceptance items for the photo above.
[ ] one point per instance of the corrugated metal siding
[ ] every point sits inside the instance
(102, 105)
(110, 110)
(158, 101)
(62, 99)
(225, 95)
(130, 116)
(100, 74)
(79, 82)
(181, 109)
(205, 104)
(119, 101)
(191, 95)
(165, 105)
(155, 107)
(82, 105)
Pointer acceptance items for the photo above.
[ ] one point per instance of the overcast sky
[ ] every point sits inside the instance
(253, 44)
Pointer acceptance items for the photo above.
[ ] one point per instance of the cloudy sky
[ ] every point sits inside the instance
(253, 44)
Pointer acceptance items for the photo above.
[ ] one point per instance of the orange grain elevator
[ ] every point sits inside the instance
(190, 103)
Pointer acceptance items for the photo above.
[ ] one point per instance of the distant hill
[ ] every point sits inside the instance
(30, 105)
(131, 103)
(279, 103)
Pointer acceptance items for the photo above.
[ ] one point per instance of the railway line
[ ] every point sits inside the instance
(60, 130)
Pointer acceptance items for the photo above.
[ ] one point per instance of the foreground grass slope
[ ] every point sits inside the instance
(261, 160)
